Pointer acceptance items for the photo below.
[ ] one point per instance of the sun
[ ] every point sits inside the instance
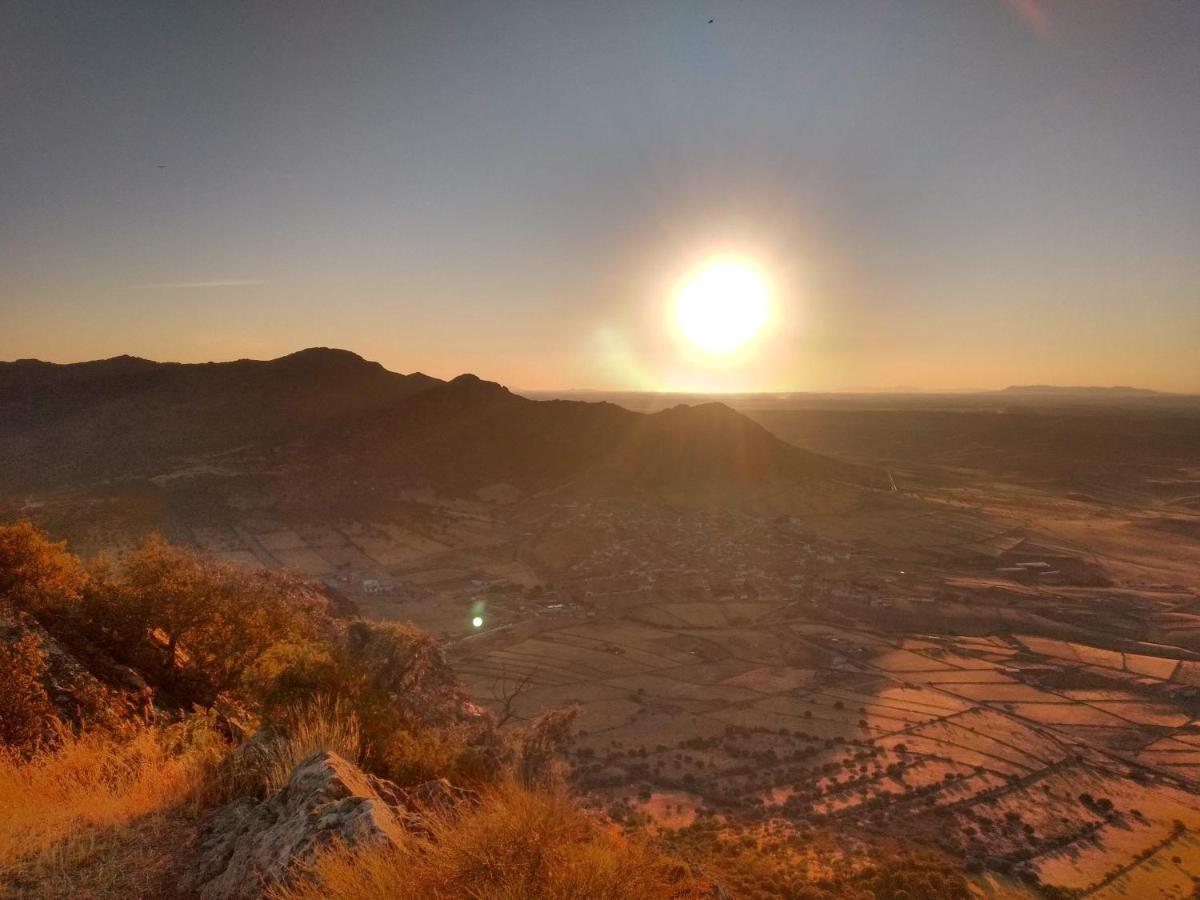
(722, 305)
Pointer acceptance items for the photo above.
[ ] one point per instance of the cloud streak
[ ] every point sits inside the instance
(194, 285)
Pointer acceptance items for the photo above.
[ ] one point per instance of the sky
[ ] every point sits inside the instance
(942, 195)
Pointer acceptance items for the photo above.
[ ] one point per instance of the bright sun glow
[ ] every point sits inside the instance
(722, 306)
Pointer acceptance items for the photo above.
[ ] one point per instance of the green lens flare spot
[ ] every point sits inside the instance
(477, 621)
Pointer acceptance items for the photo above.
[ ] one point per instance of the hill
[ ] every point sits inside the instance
(330, 419)
(125, 416)
(469, 433)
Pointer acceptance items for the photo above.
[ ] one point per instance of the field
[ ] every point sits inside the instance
(1005, 666)
(855, 729)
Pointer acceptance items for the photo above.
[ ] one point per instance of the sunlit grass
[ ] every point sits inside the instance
(517, 844)
(94, 816)
(261, 767)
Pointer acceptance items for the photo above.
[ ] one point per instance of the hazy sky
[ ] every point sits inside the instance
(967, 193)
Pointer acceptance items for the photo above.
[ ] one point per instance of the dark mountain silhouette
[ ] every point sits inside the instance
(468, 433)
(126, 415)
(327, 419)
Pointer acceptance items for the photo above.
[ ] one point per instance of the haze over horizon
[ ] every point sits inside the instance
(936, 195)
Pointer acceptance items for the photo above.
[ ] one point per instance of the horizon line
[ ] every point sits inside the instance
(899, 390)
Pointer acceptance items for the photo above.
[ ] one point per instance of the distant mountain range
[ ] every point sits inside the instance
(324, 420)
(1052, 390)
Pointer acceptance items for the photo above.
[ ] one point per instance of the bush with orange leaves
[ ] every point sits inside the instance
(192, 625)
(26, 713)
(37, 575)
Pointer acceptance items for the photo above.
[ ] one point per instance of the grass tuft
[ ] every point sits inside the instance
(265, 764)
(517, 844)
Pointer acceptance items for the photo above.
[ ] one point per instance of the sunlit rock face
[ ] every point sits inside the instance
(248, 846)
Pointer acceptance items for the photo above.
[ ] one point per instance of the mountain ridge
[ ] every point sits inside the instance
(339, 417)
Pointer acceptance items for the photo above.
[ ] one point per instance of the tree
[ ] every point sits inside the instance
(402, 672)
(506, 691)
(194, 624)
(539, 745)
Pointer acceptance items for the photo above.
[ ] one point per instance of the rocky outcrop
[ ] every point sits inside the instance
(250, 845)
(84, 692)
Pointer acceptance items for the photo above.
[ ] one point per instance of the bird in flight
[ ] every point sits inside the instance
(162, 167)
(710, 21)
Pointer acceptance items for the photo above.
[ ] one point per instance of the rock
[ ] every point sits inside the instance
(85, 691)
(248, 846)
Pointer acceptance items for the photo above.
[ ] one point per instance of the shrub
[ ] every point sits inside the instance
(26, 713)
(541, 744)
(38, 575)
(402, 668)
(290, 674)
(517, 843)
(412, 756)
(415, 721)
(195, 626)
(265, 763)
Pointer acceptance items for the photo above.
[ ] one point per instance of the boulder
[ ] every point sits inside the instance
(247, 846)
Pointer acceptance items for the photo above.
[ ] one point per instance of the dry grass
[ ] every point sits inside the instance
(101, 816)
(265, 765)
(517, 844)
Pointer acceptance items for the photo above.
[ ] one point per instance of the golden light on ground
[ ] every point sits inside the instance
(722, 305)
